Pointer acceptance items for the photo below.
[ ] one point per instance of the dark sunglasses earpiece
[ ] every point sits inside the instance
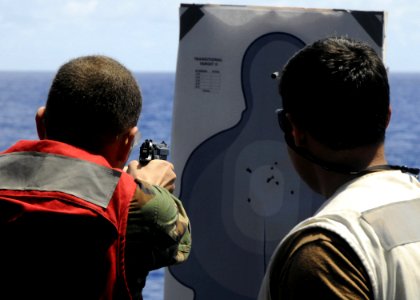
(283, 121)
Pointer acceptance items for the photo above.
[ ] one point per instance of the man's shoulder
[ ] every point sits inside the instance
(325, 262)
(312, 240)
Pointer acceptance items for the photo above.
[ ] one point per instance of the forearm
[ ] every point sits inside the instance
(156, 172)
(162, 226)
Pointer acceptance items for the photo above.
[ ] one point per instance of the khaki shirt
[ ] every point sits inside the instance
(319, 265)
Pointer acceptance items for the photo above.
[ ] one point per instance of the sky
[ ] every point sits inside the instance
(41, 35)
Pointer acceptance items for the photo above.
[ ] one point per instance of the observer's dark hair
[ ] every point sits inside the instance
(337, 89)
(92, 100)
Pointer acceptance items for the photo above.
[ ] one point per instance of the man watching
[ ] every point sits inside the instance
(364, 242)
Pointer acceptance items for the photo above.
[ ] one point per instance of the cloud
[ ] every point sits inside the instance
(81, 8)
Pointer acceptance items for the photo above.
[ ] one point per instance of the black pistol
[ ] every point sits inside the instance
(150, 151)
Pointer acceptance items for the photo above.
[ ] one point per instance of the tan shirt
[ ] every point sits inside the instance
(318, 264)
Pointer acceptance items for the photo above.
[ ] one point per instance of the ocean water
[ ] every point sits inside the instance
(403, 138)
(21, 93)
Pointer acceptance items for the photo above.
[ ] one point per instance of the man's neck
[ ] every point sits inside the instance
(330, 181)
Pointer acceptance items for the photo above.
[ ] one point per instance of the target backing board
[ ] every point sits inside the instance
(235, 178)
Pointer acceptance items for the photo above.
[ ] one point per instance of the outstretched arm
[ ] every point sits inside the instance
(156, 172)
(158, 229)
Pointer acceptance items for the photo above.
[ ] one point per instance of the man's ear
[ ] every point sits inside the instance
(297, 133)
(389, 116)
(126, 143)
(40, 123)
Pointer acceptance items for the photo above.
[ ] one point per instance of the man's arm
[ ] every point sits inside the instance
(160, 224)
(156, 172)
(158, 229)
(154, 205)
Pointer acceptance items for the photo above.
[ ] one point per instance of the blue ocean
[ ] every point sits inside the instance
(21, 93)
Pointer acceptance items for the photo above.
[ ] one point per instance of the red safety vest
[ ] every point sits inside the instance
(63, 217)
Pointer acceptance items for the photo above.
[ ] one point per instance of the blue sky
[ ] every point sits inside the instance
(143, 35)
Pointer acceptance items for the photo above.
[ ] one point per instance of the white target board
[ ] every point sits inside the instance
(234, 174)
